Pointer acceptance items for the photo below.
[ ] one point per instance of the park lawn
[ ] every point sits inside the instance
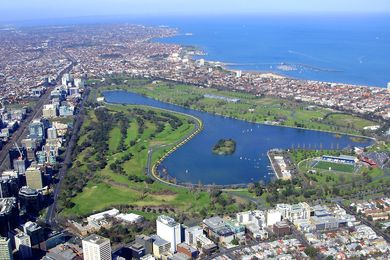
(345, 120)
(99, 196)
(108, 188)
(288, 113)
(115, 139)
(335, 166)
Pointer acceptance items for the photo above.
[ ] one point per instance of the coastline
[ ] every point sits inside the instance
(225, 65)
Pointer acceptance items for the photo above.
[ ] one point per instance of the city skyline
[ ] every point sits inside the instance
(21, 10)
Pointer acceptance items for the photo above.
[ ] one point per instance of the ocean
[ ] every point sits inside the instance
(348, 49)
(353, 49)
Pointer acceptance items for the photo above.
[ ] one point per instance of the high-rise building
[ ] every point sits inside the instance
(146, 242)
(51, 133)
(34, 178)
(23, 245)
(36, 130)
(5, 249)
(78, 82)
(50, 111)
(66, 79)
(96, 248)
(191, 234)
(17, 154)
(8, 215)
(169, 230)
(37, 236)
(20, 165)
(29, 201)
(9, 186)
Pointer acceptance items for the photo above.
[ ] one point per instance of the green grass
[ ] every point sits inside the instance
(115, 138)
(250, 108)
(109, 189)
(339, 167)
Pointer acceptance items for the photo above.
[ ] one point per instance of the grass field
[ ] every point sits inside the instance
(108, 188)
(250, 107)
(339, 167)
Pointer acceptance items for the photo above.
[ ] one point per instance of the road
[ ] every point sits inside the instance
(149, 166)
(51, 211)
(22, 131)
(365, 222)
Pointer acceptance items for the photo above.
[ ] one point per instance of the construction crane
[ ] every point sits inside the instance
(20, 152)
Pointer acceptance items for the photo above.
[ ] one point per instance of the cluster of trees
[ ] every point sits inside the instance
(122, 233)
(79, 175)
(123, 123)
(142, 115)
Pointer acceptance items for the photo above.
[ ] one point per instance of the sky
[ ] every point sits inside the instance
(21, 10)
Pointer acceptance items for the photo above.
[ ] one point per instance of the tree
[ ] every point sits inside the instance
(235, 242)
(311, 252)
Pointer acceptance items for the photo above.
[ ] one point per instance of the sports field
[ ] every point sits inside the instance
(339, 167)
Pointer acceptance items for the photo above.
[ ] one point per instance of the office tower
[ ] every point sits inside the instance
(8, 215)
(66, 79)
(191, 234)
(20, 165)
(9, 186)
(49, 111)
(5, 249)
(51, 133)
(36, 130)
(169, 230)
(29, 201)
(37, 236)
(34, 178)
(17, 154)
(96, 248)
(146, 242)
(23, 245)
(78, 82)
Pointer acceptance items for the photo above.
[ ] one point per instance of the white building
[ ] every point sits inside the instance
(51, 133)
(272, 217)
(66, 79)
(79, 82)
(23, 245)
(191, 234)
(49, 111)
(96, 248)
(169, 230)
(294, 212)
(102, 215)
(5, 249)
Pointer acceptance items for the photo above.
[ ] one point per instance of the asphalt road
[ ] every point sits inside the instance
(22, 131)
(52, 212)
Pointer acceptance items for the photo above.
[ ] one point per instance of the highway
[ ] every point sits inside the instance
(51, 211)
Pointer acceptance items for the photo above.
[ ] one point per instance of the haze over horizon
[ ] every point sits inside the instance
(22, 10)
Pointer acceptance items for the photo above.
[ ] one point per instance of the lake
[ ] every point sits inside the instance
(194, 162)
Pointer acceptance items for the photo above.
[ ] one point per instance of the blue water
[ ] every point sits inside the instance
(352, 49)
(194, 162)
(348, 49)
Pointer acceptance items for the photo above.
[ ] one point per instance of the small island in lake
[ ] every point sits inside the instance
(225, 147)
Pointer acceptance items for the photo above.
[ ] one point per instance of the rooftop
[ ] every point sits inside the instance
(6, 205)
(96, 239)
(167, 220)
